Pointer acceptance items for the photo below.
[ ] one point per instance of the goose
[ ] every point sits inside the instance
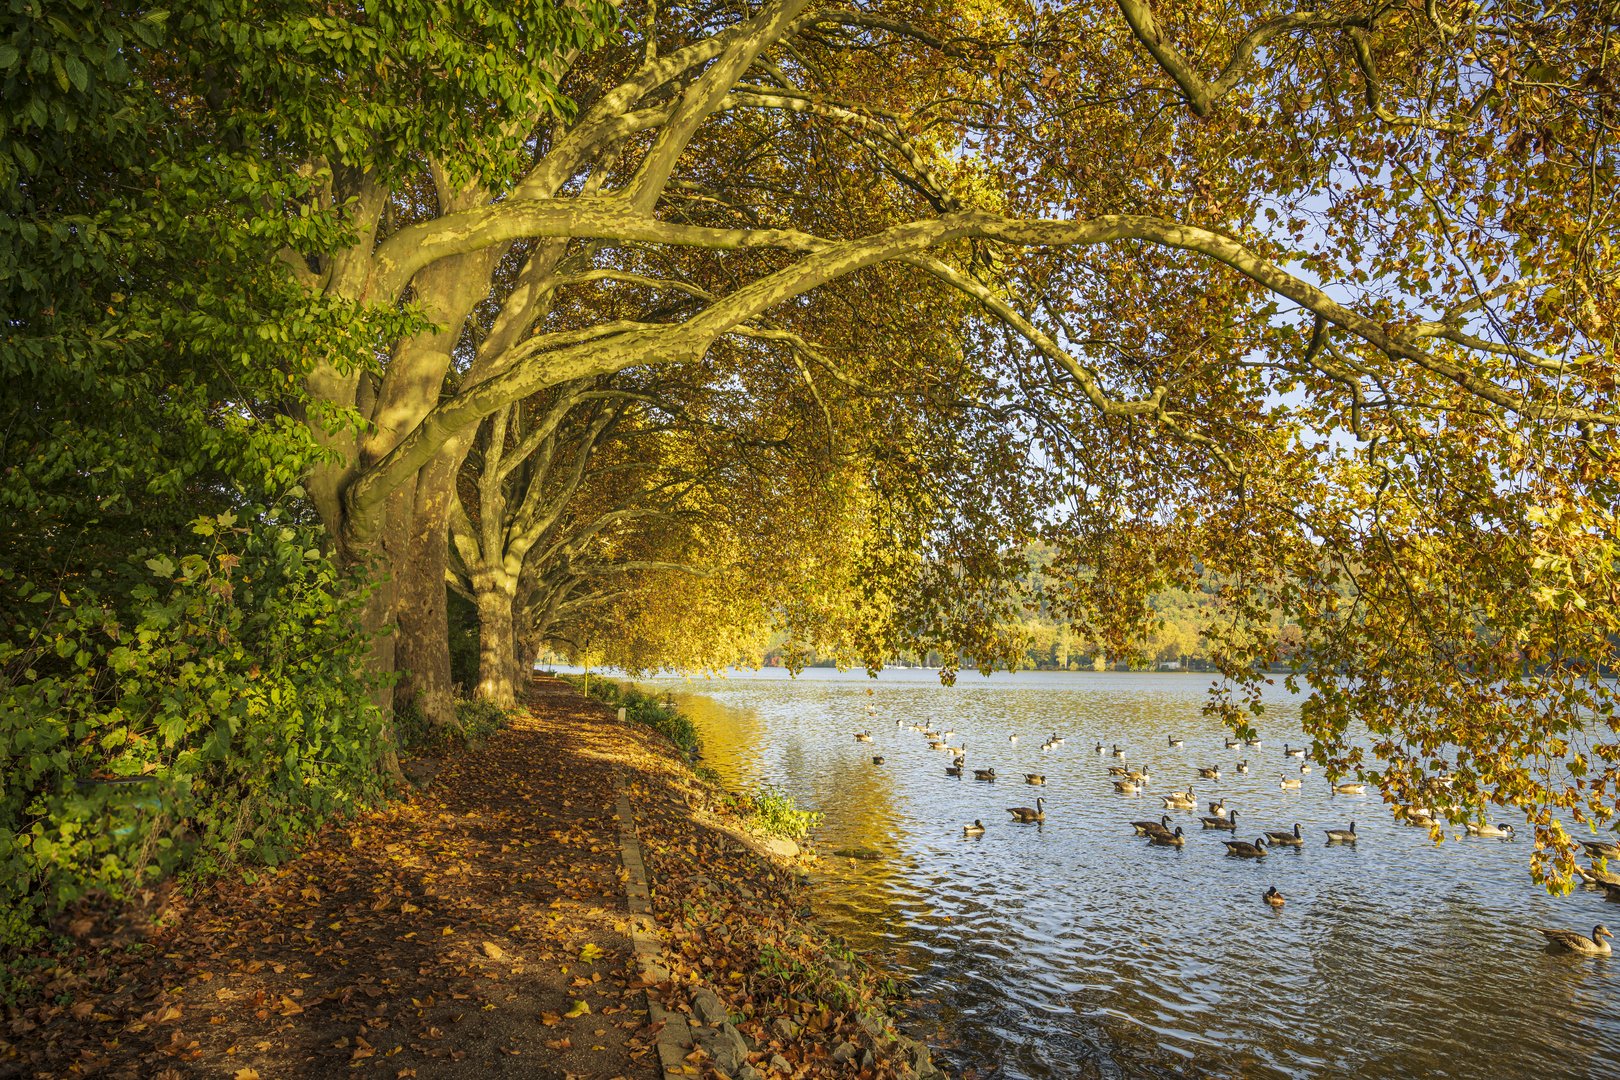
(1012, 738)
(948, 734)
(1140, 776)
(984, 774)
(1350, 789)
(1288, 782)
(1230, 742)
(1046, 748)
(1034, 778)
(960, 759)
(1179, 800)
(1152, 828)
(1168, 839)
(937, 744)
(1611, 891)
(877, 759)
(1295, 752)
(1126, 787)
(1218, 808)
(1117, 751)
(863, 736)
(1304, 768)
(930, 733)
(1055, 739)
(1174, 742)
(1342, 836)
(1252, 742)
(1229, 822)
(1570, 941)
(1598, 877)
(1273, 897)
(1099, 748)
(1503, 831)
(1601, 849)
(1287, 839)
(959, 751)
(1243, 766)
(1245, 850)
(975, 829)
(1117, 770)
(899, 723)
(1029, 814)
(1213, 772)
(953, 770)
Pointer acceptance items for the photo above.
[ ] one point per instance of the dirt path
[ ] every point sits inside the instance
(450, 935)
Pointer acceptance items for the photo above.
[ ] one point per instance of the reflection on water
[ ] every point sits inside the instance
(1076, 949)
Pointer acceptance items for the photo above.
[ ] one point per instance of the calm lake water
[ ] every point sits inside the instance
(1076, 949)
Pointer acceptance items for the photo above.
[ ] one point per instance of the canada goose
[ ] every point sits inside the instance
(1243, 766)
(1213, 772)
(948, 734)
(1342, 836)
(1179, 800)
(975, 829)
(863, 736)
(960, 759)
(1029, 814)
(1570, 941)
(1118, 770)
(1288, 782)
(877, 759)
(1140, 776)
(1099, 748)
(1126, 787)
(1503, 831)
(1230, 742)
(1012, 738)
(930, 733)
(1603, 849)
(953, 770)
(1174, 742)
(984, 774)
(958, 751)
(1055, 739)
(1273, 897)
(1245, 850)
(1152, 828)
(1288, 839)
(1034, 778)
(1350, 789)
(1598, 877)
(1117, 751)
(1046, 748)
(1229, 822)
(1252, 742)
(1168, 839)
(1304, 768)
(937, 744)
(1289, 751)
(1218, 808)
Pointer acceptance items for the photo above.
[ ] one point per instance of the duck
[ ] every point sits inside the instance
(975, 829)
(1174, 741)
(1293, 751)
(1179, 800)
(953, 770)
(1350, 789)
(1152, 828)
(1212, 772)
(1029, 814)
(1504, 831)
(1287, 839)
(1168, 839)
(1243, 766)
(863, 736)
(1245, 850)
(1034, 778)
(984, 774)
(1571, 942)
(1342, 836)
(1601, 849)
(1218, 808)
(1126, 787)
(1228, 822)
(1117, 751)
(1288, 782)
(877, 759)
(1273, 897)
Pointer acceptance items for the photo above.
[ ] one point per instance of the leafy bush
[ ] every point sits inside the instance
(480, 719)
(776, 814)
(640, 708)
(199, 711)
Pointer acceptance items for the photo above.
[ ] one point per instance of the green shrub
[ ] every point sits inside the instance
(480, 719)
(776, 814)
(197, 711)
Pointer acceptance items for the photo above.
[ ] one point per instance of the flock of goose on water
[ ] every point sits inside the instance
(1163, 833)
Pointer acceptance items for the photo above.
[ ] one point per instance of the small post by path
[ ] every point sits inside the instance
(621, 714)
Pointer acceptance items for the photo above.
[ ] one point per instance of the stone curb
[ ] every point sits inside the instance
(674, 1040)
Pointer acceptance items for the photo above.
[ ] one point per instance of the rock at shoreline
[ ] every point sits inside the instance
(781, 847)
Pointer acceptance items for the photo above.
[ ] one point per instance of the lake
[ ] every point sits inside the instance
(1074, 948)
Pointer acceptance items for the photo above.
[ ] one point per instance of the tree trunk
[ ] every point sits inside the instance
(496, 645)
(423, 627)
